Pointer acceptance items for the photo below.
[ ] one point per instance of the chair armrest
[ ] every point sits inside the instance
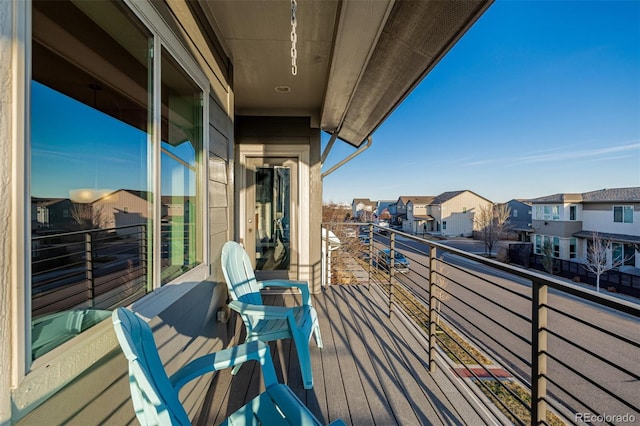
(303, 286)
(257, 351)
(261, 311)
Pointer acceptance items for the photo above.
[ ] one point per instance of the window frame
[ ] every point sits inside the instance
(624, 208)
(163, 37)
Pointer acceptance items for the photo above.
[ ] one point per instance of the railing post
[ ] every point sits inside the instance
(539, 353)
(88, 248)
(392, 250)
(433, 313)
(326, 258)
(370, 254)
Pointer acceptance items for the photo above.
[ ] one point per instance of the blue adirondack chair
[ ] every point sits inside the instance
(155, 396)
(264, 322)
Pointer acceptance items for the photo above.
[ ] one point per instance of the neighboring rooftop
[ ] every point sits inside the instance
(631, 194)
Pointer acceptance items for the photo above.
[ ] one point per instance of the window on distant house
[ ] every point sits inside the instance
(623, 214)
(514, 213)
(464, 210)
(538, 244)
(573, 212)
(444, 225)
(573, 248)
(556, 247)
(623, 254)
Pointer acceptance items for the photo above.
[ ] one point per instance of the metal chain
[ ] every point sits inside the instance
(294, 38)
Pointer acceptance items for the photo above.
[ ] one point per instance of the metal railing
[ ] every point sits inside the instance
(534, 348)
(97, 268)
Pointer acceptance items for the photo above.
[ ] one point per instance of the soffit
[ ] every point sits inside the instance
(357, 60)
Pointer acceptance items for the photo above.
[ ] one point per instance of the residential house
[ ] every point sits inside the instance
(51, 214)
(209, 104)
(400, 214)
(568, 221)
(418, 219)
(520, 218)
(383, 209)
(453, 213)
(363, 209)
(124, 209)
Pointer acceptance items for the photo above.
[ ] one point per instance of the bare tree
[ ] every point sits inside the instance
(87, 217)
(492, 220)
(597, 261)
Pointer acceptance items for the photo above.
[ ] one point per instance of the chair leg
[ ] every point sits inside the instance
(304, 358)
(316, 333)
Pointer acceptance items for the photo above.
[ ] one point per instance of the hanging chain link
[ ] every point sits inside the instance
(294, 38)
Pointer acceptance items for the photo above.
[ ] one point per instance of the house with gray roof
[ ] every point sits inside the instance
(453, 212)
(417, 216)
(363, 209)
(519, 221)
(448, 214)
(569, 220)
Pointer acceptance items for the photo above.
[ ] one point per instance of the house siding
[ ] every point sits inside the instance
(457, 222)
(556, 228)
(599, 217)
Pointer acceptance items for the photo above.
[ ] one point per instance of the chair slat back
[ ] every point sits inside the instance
(238, 272)
(154, 398)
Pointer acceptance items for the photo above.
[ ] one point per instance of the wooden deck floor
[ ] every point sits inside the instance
(370, 371)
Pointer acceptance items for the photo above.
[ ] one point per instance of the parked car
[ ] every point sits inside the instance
(382, 228)
(364, 238)
(350, 232)
(400, 262)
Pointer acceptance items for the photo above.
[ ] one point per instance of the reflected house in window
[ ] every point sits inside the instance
(51, 214)
(123, 208)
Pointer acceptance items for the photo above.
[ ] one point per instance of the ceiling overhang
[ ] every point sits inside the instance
(356, 60)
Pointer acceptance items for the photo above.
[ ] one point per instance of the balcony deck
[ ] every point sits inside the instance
(370, 371)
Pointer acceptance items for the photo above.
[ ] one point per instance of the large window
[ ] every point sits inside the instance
(181, 159)
(98, 179)
(547, 212)
(623, 214)
(573, 248)
(623, 254)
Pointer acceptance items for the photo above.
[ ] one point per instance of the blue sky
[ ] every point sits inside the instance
(539, 97)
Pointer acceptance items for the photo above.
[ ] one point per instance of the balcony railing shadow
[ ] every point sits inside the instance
(456, 339)
(510, 335)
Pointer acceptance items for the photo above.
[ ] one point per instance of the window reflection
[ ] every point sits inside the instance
(90, 166)
(272, 215)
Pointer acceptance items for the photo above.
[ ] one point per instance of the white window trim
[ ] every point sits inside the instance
(21, 194)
